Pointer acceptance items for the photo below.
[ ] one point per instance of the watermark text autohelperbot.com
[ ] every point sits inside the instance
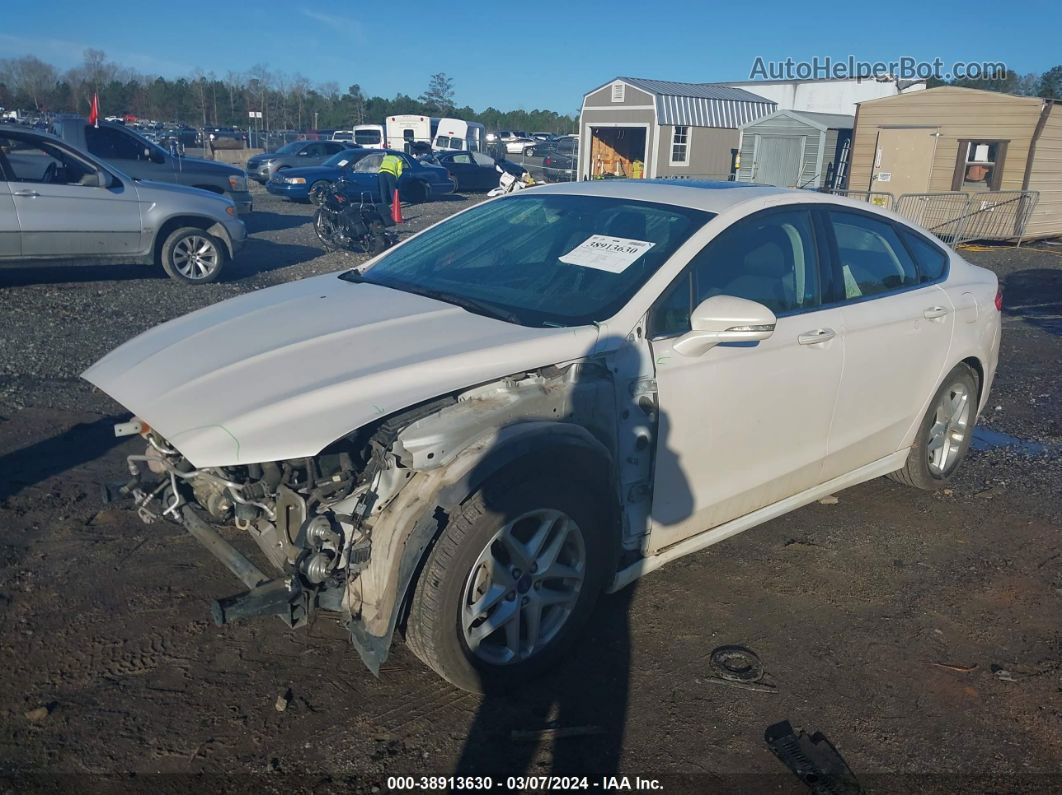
(904, 68)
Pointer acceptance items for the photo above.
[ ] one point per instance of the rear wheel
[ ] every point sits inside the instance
(944, 437)
(326, 225)
(193, 256)
(511, 582)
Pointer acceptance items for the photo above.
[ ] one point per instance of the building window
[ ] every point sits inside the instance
(618, 91)
(979, 165)
(680, 145)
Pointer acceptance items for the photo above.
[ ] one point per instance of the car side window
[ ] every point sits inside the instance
(462, 159)
(369, 164)
(41, 163)
(770, 258)
(108, 143)
(873, 259)
(931, 260)
(483, 160)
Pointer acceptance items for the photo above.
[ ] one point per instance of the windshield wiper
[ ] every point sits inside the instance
(472, 305)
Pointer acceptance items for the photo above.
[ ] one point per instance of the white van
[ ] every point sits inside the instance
(408, 129)
(458, 135)
(369, 136)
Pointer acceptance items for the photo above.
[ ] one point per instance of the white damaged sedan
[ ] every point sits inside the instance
(547, 396)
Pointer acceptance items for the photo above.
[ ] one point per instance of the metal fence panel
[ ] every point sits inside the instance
(999, 215)
(943, 214)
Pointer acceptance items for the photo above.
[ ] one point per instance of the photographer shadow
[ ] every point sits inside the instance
(572, 720)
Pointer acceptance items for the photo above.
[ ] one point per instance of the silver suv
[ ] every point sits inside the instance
(58, 204)
(293, 155)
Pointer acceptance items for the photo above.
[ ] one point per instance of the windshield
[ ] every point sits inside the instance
(550, 259)
(291, 148)
(340, 159)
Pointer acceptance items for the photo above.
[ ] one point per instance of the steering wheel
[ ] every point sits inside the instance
(50, 173)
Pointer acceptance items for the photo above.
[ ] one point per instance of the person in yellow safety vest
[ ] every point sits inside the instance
(637, 169)
(390, 170)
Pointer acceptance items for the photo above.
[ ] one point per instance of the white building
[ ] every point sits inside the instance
(828, 96)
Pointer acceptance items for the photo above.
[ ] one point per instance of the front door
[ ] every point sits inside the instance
(898, 333)
(743, 426)
(10, 241)
(777, 160)
(903, 160)
(60, 213)
(129, 154)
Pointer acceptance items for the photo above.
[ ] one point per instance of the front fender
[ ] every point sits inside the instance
(403, 533)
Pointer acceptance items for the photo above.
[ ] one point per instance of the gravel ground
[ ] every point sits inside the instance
(920, 632)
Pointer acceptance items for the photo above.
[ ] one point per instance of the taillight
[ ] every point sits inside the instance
(999, 299)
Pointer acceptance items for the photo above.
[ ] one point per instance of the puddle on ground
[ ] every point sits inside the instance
(987, 439)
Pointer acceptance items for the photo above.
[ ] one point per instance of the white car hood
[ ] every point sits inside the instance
(283, 372)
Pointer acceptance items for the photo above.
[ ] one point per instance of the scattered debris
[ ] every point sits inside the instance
(283, 700)
(37, 714)
(739, 667)
(1005, 675)
(948, 492)
(831, 500)
(962, 669)
(988, 494)
(554, 733)
(813, 760)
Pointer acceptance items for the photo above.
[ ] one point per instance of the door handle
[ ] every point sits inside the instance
(934, 312)
(29, 193)
(816, 336)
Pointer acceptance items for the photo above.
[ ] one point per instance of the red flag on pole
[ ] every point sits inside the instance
(94, 113)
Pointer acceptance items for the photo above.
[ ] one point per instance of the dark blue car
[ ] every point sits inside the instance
(419, 181)
(307, 182)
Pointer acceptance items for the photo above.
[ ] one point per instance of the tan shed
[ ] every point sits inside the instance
(962, 139)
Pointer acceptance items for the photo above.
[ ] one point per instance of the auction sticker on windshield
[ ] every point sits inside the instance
(612, 254)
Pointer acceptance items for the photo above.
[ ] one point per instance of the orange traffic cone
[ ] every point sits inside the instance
(396, 208)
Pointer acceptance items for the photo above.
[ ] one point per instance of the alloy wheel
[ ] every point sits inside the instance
(523, 587)
(951, 424)
(196, 257)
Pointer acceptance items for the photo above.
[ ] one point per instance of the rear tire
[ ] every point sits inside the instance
(192, 256)
(327, 232)
(944, 437)
(471, 564)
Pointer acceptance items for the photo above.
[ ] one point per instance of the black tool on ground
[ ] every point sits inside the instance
(343, 223)
(813, 759)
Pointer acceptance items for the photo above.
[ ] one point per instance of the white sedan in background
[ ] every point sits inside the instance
(549, 395)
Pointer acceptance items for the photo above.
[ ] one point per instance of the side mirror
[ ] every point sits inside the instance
(724, 318)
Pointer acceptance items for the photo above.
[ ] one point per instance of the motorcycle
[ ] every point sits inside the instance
(342, 224)
(510, 183)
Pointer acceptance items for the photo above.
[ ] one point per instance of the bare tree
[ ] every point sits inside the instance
(440, 92)
(300, 87)
(33, 77)
(98, 71)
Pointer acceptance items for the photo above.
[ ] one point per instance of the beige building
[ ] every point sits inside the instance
(962, 139)
(633, 127)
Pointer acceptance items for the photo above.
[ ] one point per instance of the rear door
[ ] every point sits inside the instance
(898, 328)
(61, 218)
(464, 170)
(127, 153)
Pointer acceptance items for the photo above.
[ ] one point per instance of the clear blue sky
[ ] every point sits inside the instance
(524, 54)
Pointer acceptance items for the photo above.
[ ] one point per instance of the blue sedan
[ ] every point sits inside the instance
(307, 182)
(419, 181)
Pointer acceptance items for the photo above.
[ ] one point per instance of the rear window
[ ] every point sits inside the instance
(367, 137)
(931, 260)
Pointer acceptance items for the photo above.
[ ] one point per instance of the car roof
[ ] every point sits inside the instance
(714, 197)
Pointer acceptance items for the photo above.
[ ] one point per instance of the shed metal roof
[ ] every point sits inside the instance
(822, 121)
(703, 104)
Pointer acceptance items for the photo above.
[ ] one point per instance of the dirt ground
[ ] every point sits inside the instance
(921, 633)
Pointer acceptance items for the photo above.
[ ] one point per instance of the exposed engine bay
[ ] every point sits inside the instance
(346, 529)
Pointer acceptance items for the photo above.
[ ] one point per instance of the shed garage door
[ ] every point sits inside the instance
(778, 159)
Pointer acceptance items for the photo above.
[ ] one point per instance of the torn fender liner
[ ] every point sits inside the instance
(813, 759)
(373, 649)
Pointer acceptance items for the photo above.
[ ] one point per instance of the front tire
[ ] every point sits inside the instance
(944, 437)
(511, 581)
(193, 256)
(317, 191)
